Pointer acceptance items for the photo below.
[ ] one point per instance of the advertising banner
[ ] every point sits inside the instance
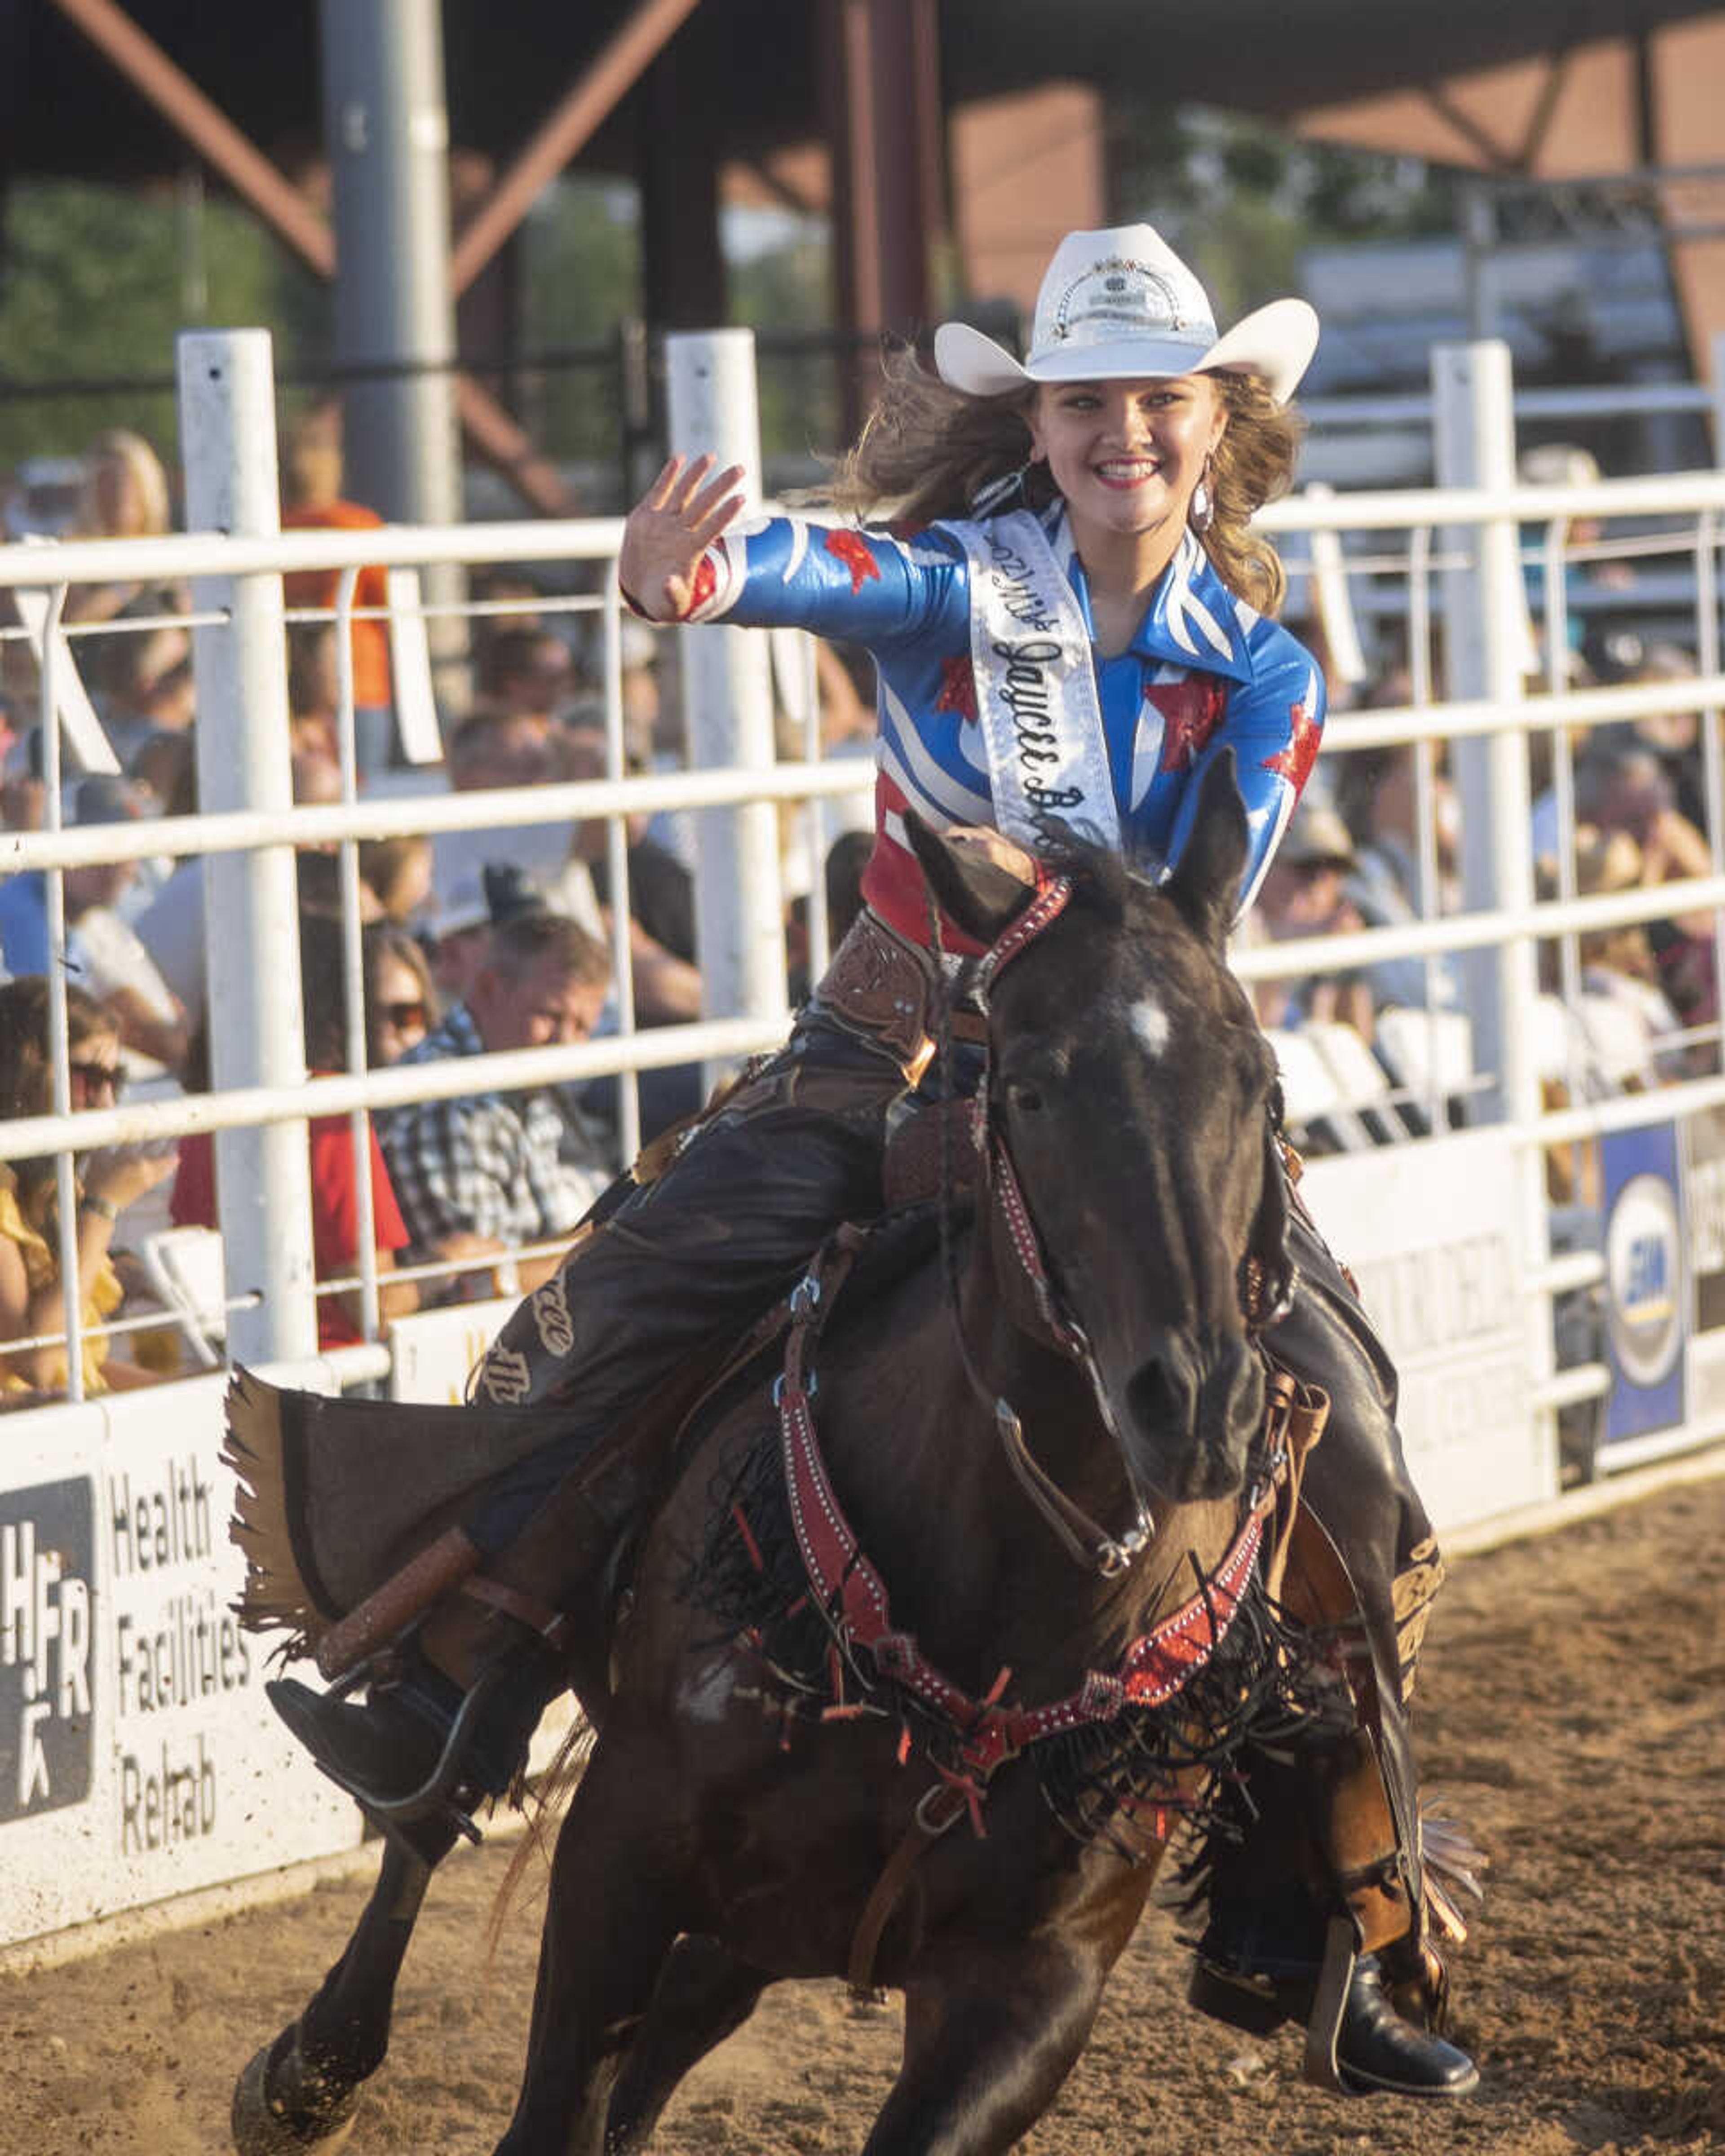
(139, 1759)
(1645, 1281)
(434, 1351)
(1432, 1233)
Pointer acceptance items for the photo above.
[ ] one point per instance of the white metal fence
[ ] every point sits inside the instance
(1464, 577)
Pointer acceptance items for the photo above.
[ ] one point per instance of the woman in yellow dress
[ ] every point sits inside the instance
(31, 1301)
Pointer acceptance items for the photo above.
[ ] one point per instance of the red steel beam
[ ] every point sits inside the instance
(187, 110)
(588, 104)
(508, 449)
(296, 221)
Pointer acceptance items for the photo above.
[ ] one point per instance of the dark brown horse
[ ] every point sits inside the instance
(789, 1780)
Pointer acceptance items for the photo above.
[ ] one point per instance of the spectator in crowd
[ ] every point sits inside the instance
(526, 672)
(164, 772)
(667, 985)
(1624, 787)
(314, 689)
(400, 1003)
(32, 1303)
(491, 750)
(487, 1172)
(171, 927)
(104, 951)
(458, 929)
(167, 766)
(335, 1196)
(1377, 796)
(1567, 463)
(142, 686)
(1304, 893)
(397, 872)
(125, 496)
(23, 791)
(313, 501)
(1673, 736)
(1620, 1033)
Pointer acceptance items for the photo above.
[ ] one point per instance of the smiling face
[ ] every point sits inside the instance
(1127, 455)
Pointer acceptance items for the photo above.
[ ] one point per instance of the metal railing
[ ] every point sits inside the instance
(1463, 565)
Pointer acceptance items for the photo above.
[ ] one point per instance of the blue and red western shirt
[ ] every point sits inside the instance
(1203, 670)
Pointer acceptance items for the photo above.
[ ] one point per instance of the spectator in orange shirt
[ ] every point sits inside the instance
(313, 501)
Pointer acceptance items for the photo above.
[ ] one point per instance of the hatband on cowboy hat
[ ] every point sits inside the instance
(1118, 304)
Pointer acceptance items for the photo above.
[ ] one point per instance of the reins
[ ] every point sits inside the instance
(1087, 1543)
(1263, 1299)
(986, 1732)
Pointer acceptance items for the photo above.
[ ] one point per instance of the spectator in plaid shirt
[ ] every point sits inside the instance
(481, 1174)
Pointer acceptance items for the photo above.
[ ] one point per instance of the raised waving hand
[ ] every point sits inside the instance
(668, 530)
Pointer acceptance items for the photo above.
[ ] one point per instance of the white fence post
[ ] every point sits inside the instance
(1717, 387)
(1484, 612)
(727, 706)
(251, 908)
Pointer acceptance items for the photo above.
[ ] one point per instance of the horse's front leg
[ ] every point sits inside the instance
(705, 1993)
(299, 2091)
(992, 2028)
(616, 1904)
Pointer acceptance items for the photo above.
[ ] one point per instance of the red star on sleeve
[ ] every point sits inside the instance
(958, 689)
(1294, 762)
(853, 551)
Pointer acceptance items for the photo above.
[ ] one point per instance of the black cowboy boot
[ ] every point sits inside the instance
(1378, 2048)
(422, 1754)
(451, 1706)
(1264, 1960)
(1253, 1982)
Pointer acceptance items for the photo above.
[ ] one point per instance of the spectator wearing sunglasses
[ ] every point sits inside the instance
(401, 1004)
(31, 1301)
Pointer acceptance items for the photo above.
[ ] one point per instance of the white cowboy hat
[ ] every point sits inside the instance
(1120, 304)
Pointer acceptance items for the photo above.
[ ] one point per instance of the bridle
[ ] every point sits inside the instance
(1265, 1290)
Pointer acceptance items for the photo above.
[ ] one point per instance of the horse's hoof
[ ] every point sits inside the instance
(264, 2124)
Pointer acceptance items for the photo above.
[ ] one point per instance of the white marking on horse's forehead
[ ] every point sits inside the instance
(1149, 1021)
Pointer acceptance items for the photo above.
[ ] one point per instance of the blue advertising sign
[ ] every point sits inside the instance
(1647, 1299)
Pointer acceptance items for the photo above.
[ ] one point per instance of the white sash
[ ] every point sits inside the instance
(1037, 702)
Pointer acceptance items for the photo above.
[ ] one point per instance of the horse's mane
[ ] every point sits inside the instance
(1104, 881)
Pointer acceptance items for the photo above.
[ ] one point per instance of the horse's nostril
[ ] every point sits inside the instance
(1158, 1396)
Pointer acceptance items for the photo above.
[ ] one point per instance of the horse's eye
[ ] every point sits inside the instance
(1026, 1099)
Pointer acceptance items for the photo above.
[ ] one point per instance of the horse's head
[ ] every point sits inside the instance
(1129, 1086)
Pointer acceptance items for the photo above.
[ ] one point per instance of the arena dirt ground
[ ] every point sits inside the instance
(1572, 1714)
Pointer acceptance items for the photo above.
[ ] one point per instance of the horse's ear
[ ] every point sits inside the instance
(970, 887)
(1205, 883)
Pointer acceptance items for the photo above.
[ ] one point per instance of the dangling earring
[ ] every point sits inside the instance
(1201, 510)
(998, 491)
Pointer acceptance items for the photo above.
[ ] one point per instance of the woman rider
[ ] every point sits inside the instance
(1076, 554)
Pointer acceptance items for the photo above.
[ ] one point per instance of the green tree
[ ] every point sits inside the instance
(580, 278)
(94, 283)
(1241, 199)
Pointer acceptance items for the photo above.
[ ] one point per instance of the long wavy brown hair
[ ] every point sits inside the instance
(928, 450)
(25, 1086)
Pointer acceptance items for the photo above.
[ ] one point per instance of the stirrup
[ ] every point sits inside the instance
(446, 1798)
